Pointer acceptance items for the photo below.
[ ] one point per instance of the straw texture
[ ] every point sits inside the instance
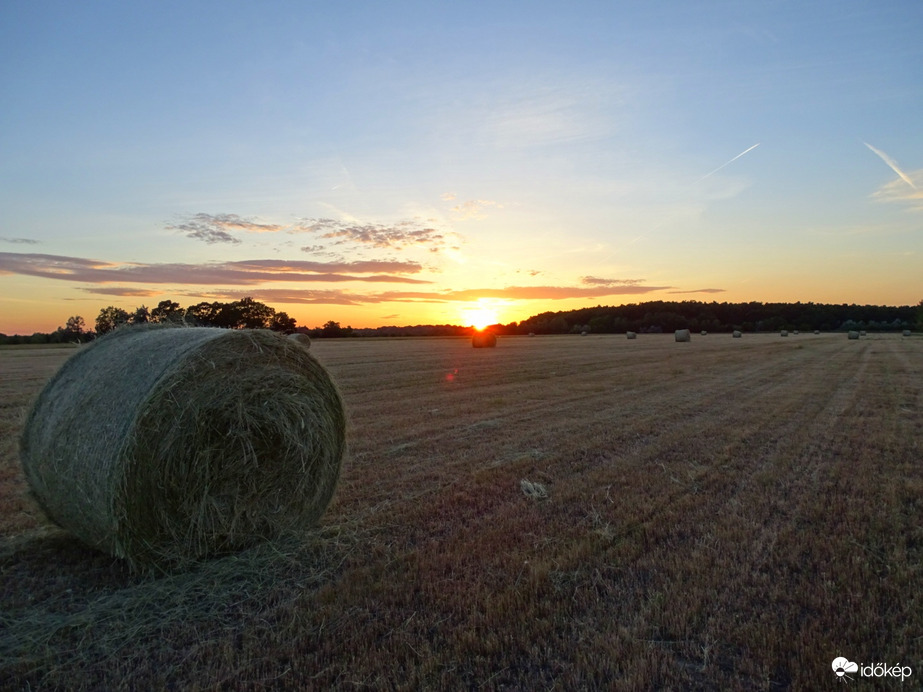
(165, 445)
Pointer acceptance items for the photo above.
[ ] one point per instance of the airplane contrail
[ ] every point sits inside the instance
(728, 162)
(892, 164)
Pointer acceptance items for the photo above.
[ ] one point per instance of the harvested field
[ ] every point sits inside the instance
(724, 514)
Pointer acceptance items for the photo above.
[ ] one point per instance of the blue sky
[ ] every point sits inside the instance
(403, 162)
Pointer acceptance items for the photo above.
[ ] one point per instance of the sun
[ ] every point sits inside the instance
(479, 316)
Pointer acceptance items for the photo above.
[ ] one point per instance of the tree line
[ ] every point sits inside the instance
(649, 317)
(667, 316)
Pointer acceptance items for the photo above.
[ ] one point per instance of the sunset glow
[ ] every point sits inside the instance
(479, 317)
(416, 166)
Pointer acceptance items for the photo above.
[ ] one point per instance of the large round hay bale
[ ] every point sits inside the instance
(853, 335)
(817, 331)
(703, 333)
(302, 339)
(861, 332)
(682, 335)
(737, 334)
(783, 333)
(906, 332)
(631, 335)
(484, 340)
(165, 445)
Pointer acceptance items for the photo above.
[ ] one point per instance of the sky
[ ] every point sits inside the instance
(456, 163)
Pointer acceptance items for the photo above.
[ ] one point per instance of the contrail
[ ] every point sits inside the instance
(893, 164)
(728, 162)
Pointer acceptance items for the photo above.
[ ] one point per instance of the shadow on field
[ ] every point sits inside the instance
(67, 609)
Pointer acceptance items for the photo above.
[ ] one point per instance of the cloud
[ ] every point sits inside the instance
(216, 228)
(20, 241)
(122, 291)
(701, 290)
(596, 281)
(240, 273)
(892, 164)
(473, 208)
(896, 191)
(447, 196)
(396, 236)
(309, 296)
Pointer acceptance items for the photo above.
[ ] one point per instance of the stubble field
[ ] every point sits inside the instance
(721, 514)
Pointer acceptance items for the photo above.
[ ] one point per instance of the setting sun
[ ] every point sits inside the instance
(479, 316)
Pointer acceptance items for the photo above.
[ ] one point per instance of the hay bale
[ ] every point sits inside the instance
(682, 335)
(906, 332)
(861, 332)
(703, 333)
(795, 332)
(165, 445)
(531, 333)
(631, 335)
(535, 491)
(302, 339)
(783, 333)
(583, 333)
(484, 340)
(737, 334)
(853, 335)
(817, 331)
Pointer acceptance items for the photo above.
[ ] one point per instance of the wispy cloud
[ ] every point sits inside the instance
(728, 163)
(447, 196)
(449, 296)
(122, 291)
(240, 273)
(20, 241)
(897, 191)
(217, 228)
(596, 281)
(474, 208)
(892, 164)
(701, 290)
(396, 236)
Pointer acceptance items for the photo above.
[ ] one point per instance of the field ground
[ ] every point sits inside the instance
(722, 514)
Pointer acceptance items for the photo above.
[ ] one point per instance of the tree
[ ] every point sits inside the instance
(281, 322)
(247, 313)
(74, 328)
(167, 311)
(204, 314)
(109, 318)
(331, 329)
(140, 316)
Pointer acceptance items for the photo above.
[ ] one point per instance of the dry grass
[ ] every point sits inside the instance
(739, 536)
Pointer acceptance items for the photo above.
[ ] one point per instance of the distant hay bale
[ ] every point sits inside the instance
(737, 334)
(484, 340)
(682, 335)
(783, 333)
(165, 445)
(795, 332)
(302, 339)
(906, 332)
(861, 332)
(536, 491)
(853, 335)
(582, 333)
(531, 333)
(703, 333)
(817, 331)
(631, 335)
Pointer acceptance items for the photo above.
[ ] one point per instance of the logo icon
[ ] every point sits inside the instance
(841, 666)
